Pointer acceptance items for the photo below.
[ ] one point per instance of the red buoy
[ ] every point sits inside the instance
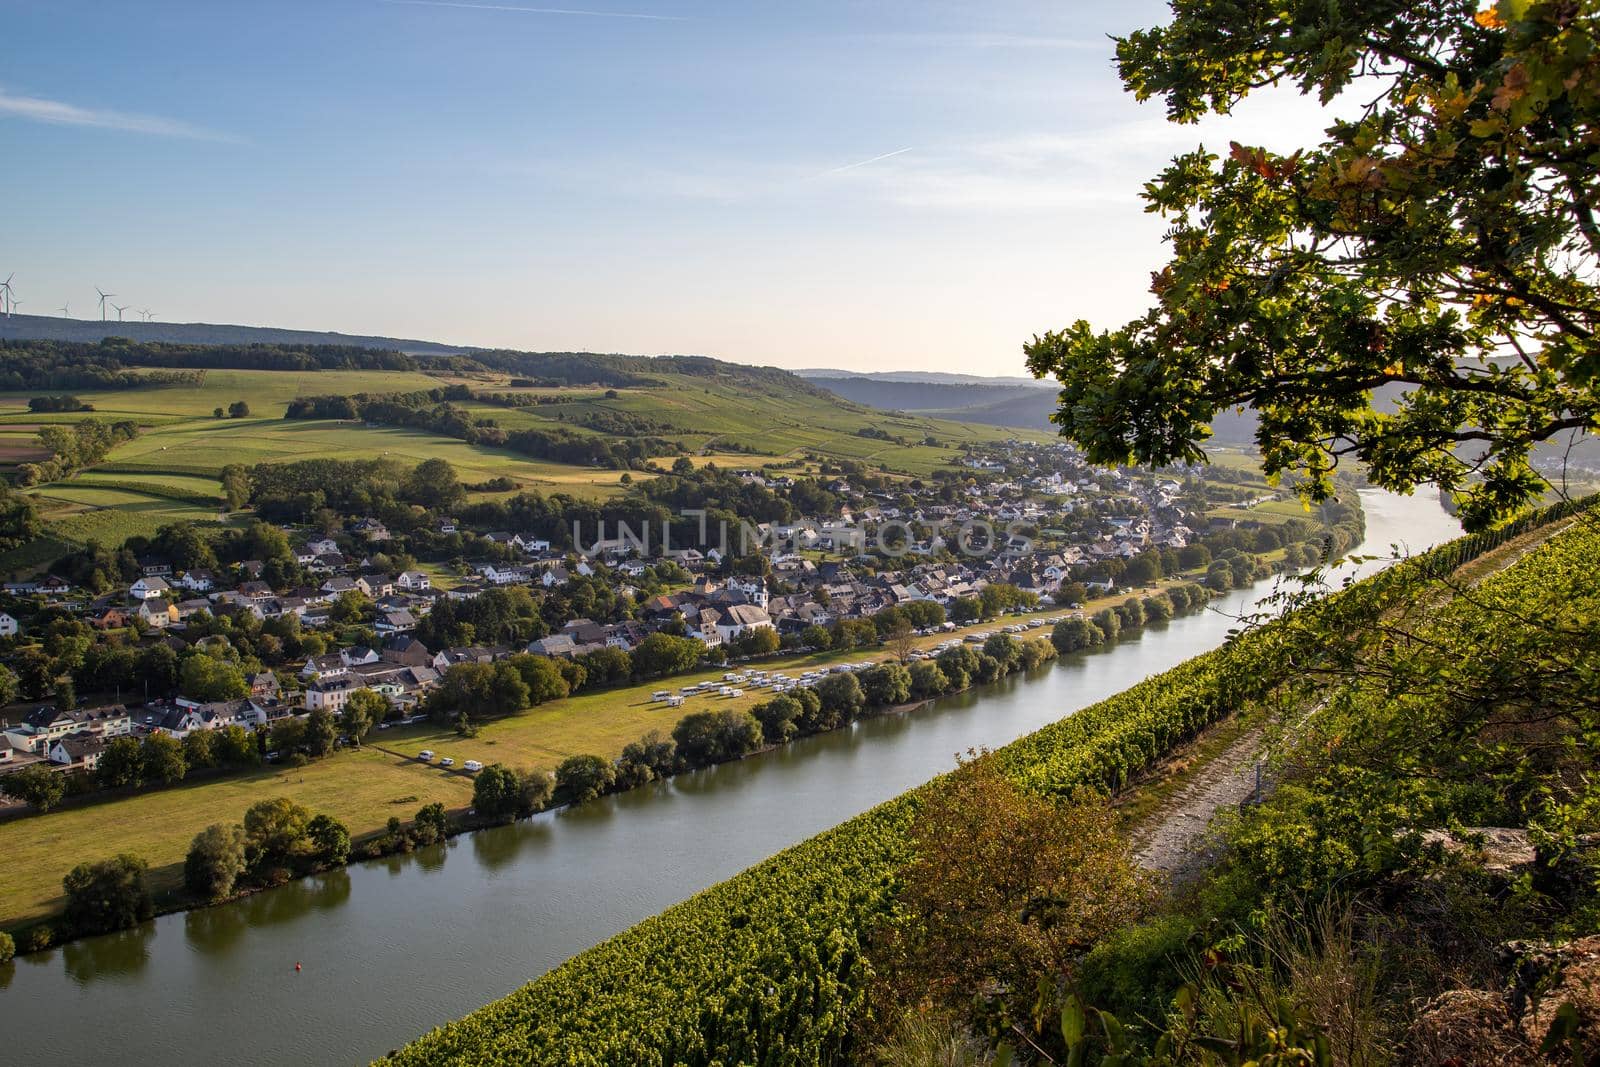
(297, 966)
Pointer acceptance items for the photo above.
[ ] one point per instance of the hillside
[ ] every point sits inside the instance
(18, 327)
(1016, 402)
(594, 411)
(767, 967)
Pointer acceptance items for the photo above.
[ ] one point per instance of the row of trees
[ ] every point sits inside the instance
(73, 447)
(1106, 625)
(705, 738)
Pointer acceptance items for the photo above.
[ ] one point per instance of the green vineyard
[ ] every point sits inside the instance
(766, 968)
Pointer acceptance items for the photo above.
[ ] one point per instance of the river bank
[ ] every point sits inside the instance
(392, 947)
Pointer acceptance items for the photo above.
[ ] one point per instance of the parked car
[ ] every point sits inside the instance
(447, 762)
(426, 755)
(472, 766)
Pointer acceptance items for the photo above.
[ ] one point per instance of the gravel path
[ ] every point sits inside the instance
(1174, 839)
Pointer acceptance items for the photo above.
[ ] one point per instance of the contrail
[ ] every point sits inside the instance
(864, 162)
(539, 10)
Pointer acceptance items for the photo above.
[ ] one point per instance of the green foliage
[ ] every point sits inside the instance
(37, 786)
(206, 678)
(583, 778)
(767, 966)
(215, 861)
(430, 824)
(707, 737)
(1440, 246)
(8, 948)
(109, 895)
(274, 830)
(321, 732)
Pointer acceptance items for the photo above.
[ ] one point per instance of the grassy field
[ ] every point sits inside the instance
(76, 514)
(360, 788)
(364, 788)
(169, 473)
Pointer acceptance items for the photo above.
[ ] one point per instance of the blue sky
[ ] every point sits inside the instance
(875, 185)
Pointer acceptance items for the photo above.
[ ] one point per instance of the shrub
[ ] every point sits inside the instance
(108, 895)
(928, 680)
(582, 778)
(709, 737)
(431, 824)
(1074, 635)
(8, 947)
(215, 861)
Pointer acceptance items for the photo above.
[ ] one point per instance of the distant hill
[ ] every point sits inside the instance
(976, 401)
(1020, 402)
(46, 328)
(937, 377)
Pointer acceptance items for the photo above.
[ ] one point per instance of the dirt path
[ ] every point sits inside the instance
(1175, 840)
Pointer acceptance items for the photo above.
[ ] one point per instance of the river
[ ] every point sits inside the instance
(390, 948)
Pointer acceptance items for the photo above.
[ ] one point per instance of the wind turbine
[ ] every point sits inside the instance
(66, 314)
(103, 298)
(120, 309)
(144, 313)
(6, 295)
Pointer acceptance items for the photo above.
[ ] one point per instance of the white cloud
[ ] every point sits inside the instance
(55, 112)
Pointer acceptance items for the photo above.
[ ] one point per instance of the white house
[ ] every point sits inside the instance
(147, 588)
(414, 582)
(740, 618)
(331, 693)
(198, 580)
(77, 752)
(9, 627)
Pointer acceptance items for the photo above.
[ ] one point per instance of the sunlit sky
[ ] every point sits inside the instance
(878, 185)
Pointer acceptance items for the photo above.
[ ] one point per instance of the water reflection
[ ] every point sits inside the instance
(215, 930)
(494, 849)
(418, 951)
(122, 953)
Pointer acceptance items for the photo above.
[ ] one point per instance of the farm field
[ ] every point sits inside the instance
(735, 417)
(76, 514)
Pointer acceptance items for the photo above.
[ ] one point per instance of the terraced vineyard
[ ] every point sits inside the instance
(766, 967)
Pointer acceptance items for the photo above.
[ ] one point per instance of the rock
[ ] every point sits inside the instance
(1483, 1028)
(1503, 849)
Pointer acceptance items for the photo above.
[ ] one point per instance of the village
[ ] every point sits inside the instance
(1033, 524)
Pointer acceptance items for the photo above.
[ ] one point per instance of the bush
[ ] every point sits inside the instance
(1036, 650)
(8, 947)
(709, 737)
(657, 754)
(841, 696)
(215, 861)
(581, 778)
(1074, 635)
(927, 680)
(38, 786)
(109, 895)
(1130, 972)
(886, 684)
(777, 718)
(494, 793)
(431, 824)
(330, 840)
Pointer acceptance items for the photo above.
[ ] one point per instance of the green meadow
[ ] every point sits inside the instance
(170, 472)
